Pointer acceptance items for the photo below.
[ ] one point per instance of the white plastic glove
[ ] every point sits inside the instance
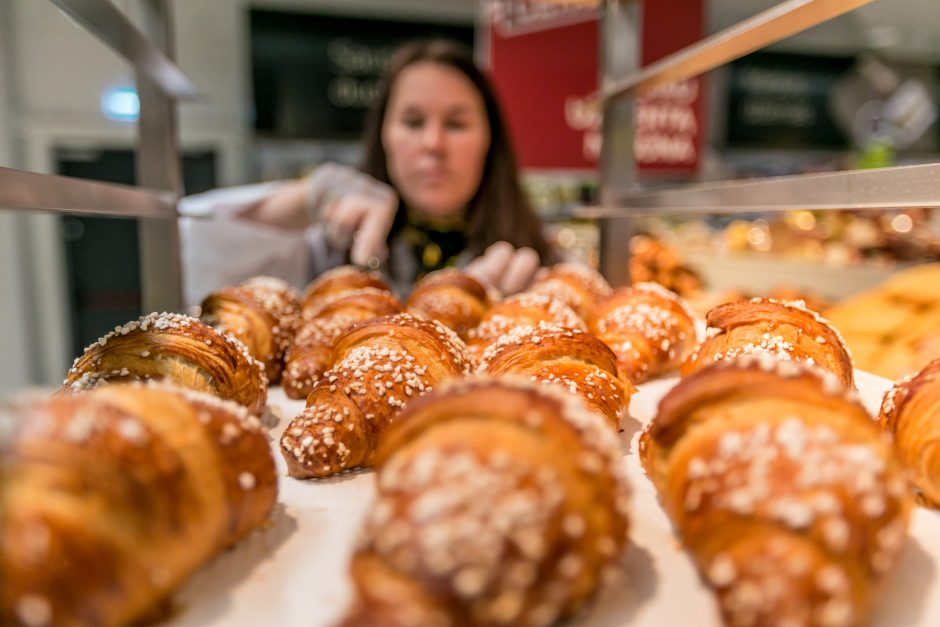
(356, 211)
(506, 268)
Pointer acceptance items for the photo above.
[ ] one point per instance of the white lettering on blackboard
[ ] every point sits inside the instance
(348, 92)
(354, 58)
(764, 112)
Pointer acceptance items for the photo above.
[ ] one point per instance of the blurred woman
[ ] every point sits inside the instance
(438, 186)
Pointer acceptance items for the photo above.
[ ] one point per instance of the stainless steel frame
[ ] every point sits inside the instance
(44, 192)
(887, 188)
(620, 56)
(158, 165)
(109, 24)
(768, 27)
(160, 84)
(899, 187)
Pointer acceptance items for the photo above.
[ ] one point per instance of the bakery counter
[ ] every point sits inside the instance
(295, 571)
(756, 273)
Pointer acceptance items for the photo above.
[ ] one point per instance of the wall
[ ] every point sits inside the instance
(16, 363)
(52, 74)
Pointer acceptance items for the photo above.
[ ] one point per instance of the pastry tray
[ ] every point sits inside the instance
(294, 572)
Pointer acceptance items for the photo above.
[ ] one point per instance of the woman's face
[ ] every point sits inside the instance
(436, 136)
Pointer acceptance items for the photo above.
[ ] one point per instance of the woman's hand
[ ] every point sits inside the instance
(508, 269)
(360, 222)
(356, 210)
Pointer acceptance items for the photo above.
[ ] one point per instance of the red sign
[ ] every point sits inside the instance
(669, 132)
(542, 60)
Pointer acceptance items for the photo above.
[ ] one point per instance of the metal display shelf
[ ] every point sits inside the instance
(160, 83)
(887, 188)
(766, 28)
(46, 192)
(622, 79)
(111, 25)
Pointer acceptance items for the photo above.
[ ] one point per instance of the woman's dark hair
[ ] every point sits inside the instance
(500, 209)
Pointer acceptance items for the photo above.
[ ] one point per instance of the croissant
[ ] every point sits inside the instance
(499, 503)
(114, 497)
(792, 503)
(378, 366)
(650, 329)
(786, 331)
(263, 313)
(569, 358)
(177, 348)
(309, 355)
(911, 412)
(336, 281)
(453, 298)
(520, 310)
(574, 284)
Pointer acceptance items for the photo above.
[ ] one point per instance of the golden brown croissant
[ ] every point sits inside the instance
(499, 503)
(310, 354)
(792, 503)
(112, 498)
(336, 281)
(378, 366)
(911, 412)
(782, 330)
(263, 313)
(572, 359)
(520, 310)
(176, 348)
(453, 298)
(574, 284)
(650, 329)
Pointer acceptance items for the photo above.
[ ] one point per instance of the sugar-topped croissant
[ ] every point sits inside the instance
(650, 329)
(263, 313)
(453, 298)
(176, 348)
(110, 499)
(574, 284)
(783, 330)
(520, 310)
(379, 365)
(336, 281)
(499, 503)
(572, 359)
(911, 412)
(311, 351)
(791, 501)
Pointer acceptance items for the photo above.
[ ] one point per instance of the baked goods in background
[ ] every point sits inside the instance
(499, 503)
(336, 281)
(654, 261)
(911, 413)
(570, 359)
(649, 329)
(378, 366)
(574, 284)
(110, 499)
(520, 310)
(263, 313)
(175, 348)
(894, 330)
(310, 354)
(453, 298)
(763, 326)
(811, 299)
(792, 503)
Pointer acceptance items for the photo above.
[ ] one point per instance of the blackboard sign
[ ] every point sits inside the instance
(315, 75)
(783, 101)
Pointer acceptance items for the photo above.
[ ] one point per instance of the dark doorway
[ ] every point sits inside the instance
(101, 254)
